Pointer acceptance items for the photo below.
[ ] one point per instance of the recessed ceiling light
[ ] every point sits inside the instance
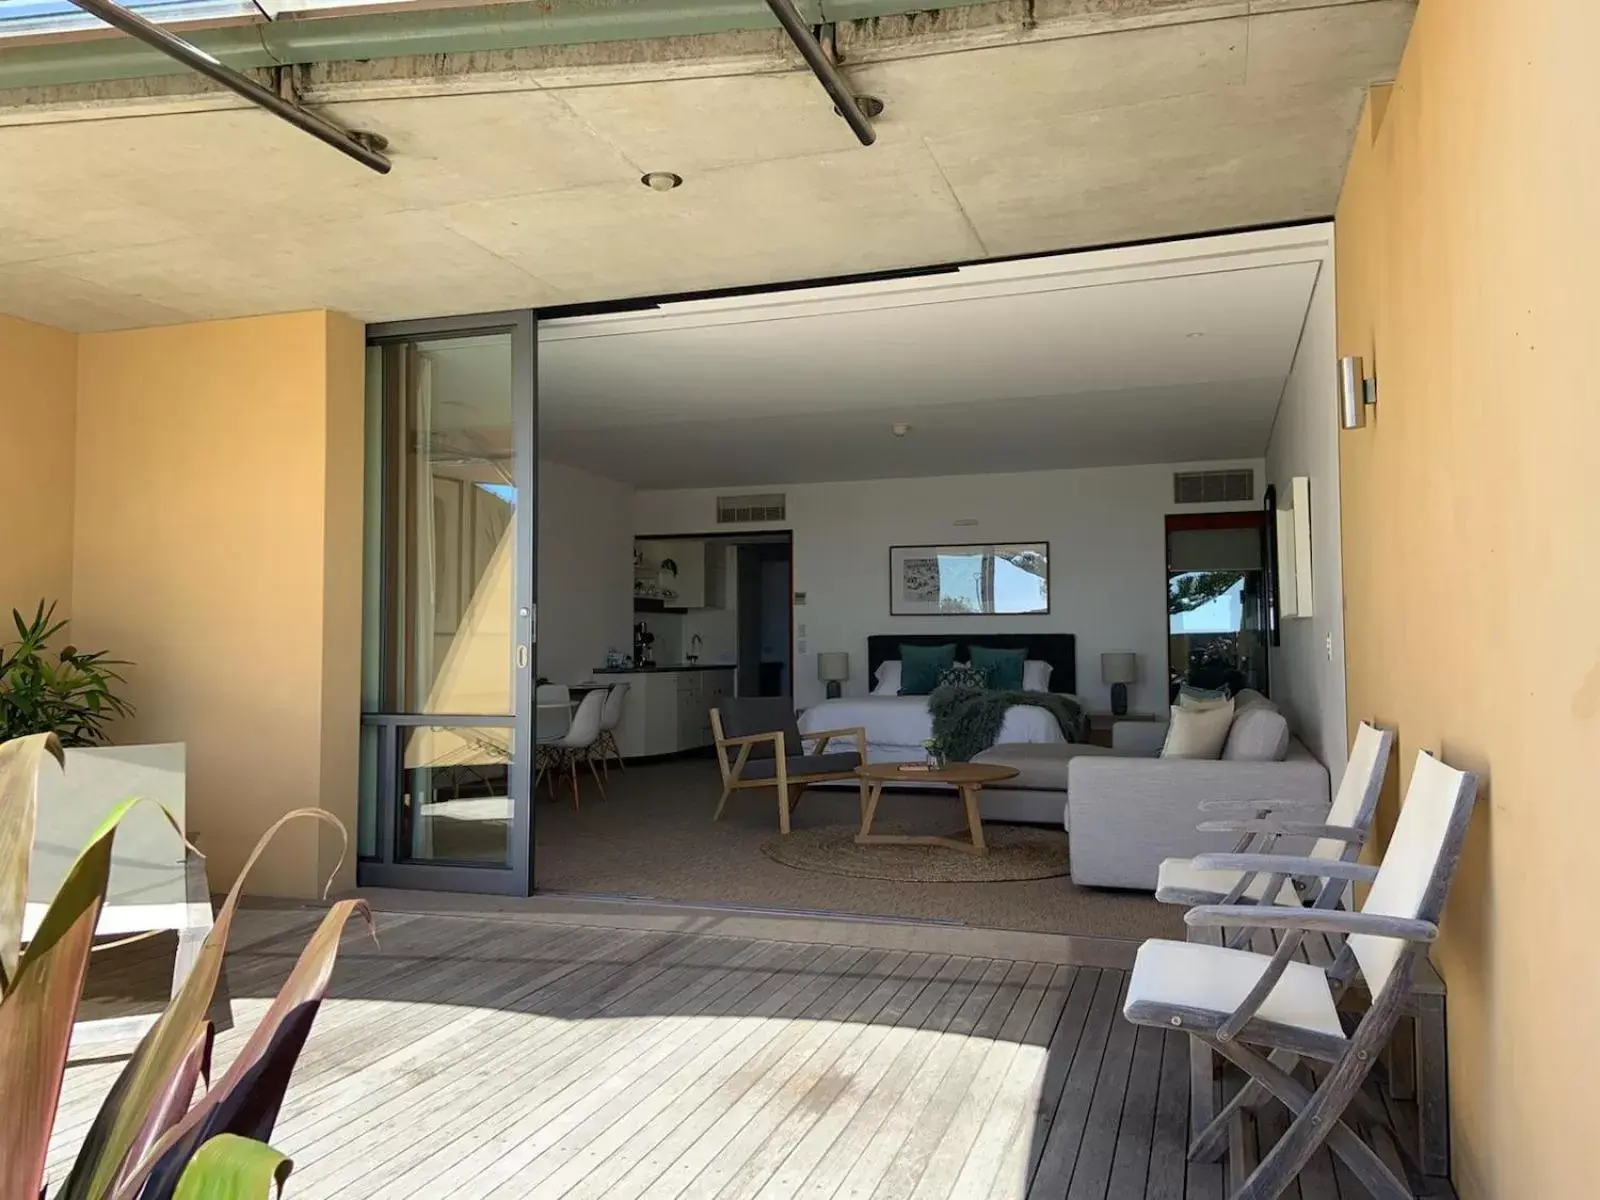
(1196, 334)
(661, 181)
(899, 429)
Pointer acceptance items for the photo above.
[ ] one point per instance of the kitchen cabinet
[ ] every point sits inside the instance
(667, 711)
(700, 581)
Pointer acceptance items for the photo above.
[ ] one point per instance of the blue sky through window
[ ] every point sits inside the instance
(1015, 590)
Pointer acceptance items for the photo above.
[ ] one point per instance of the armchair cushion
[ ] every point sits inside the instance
(801, 764)
(746, 715)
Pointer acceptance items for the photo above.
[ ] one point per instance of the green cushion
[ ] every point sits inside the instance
(1003, 667)
(921, 666)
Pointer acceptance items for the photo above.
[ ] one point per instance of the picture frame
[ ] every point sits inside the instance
(970, 579)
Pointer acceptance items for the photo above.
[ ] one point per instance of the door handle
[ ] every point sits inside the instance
(522, 657)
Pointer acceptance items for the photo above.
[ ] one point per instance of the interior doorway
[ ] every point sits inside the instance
(765, 617)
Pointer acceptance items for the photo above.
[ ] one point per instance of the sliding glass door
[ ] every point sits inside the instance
(448, 634)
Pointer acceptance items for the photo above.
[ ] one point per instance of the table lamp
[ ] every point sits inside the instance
(833, 668)
(1119, 668)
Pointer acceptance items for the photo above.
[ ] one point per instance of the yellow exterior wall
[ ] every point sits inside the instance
(219, 493)
(1468, 255)
(38, 395)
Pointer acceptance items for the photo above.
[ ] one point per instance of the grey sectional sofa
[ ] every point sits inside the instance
(1127, 809)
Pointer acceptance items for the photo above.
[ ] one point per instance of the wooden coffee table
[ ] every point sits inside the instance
(967, 778)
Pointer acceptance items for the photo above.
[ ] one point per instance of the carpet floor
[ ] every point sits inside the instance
(652, 836)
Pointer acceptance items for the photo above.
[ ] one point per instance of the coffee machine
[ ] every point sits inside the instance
(644, 642)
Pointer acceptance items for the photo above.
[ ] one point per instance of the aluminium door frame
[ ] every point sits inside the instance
(517, 877)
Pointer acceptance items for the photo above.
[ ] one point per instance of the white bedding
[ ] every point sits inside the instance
(898, 725)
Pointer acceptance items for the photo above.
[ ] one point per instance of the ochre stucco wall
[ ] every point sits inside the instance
(219, 471)
(38, 397)
(1468, 254)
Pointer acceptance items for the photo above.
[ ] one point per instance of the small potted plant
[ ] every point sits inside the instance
(67, 692)
(48, 685)
(938, 758)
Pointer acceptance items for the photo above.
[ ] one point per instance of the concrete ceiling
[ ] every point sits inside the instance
(517, 188)
(1172, 354)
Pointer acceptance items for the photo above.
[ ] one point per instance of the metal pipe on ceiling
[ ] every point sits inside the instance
(363, 148)
(824, 68)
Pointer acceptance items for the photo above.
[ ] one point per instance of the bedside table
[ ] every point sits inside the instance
(1100, 724)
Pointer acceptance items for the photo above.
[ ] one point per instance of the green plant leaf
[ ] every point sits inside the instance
(306, 986)
(20, 760)
(104, 1162)
(233, 1168)
(37, 1013)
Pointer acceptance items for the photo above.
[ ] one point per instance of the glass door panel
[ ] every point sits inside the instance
(448, 640)
(1215, 612)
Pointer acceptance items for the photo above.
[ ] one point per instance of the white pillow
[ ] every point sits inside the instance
(1036, 675)
(888, 678)
(1198, 732)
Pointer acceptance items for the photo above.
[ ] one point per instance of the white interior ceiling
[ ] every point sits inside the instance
(518, 190)
(1158, 354)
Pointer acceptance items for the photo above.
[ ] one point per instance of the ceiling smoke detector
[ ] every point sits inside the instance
(661, 181)
(899, 429)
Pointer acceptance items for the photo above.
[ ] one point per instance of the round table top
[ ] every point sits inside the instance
(961, 772)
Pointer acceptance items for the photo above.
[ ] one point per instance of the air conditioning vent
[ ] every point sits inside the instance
(741, 510)
(1213, 487)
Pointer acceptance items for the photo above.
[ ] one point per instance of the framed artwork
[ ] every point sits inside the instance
(954, 580)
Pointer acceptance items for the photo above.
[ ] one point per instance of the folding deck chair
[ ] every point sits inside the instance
(1250, 1007)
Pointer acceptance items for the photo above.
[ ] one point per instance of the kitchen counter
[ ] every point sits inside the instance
(667, 708)
(659, 668)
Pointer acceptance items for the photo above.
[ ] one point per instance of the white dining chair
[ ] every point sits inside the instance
(610, 718)
(562, 754)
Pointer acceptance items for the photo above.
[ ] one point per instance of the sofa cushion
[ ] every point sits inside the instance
(1258, 734)
(1190, 696)
(1041, 766)
(1198, 732)
(1250, 698)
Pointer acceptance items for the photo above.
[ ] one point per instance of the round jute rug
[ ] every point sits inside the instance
(1015, 852)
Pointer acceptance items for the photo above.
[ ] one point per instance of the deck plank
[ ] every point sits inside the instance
(504, 1056)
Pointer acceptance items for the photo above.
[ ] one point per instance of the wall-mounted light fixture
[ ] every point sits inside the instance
(1356, 392)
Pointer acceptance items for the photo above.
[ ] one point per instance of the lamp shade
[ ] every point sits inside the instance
(833, 666)
(1119, 666)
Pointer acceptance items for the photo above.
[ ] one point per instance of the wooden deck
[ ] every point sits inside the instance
(509, 1056)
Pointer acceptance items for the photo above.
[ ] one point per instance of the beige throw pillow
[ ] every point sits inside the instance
(1198, 732)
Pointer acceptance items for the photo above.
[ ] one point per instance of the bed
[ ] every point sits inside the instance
(898, 725)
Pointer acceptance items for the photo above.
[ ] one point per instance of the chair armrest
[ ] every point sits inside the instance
(1343, 833)
(1312, 920)
(853, 731)
(857, 733)
(1248, 809)
(751, 739)
(1281, 864)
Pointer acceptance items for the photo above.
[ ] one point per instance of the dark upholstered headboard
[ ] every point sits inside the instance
(1057, 649)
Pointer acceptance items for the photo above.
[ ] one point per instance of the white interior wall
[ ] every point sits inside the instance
(1308, 667)
(1105, 527)
(585, 583)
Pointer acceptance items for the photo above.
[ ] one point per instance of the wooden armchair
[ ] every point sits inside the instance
(759, 745)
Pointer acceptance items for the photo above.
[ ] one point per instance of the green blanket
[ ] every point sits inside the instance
(967, 720)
